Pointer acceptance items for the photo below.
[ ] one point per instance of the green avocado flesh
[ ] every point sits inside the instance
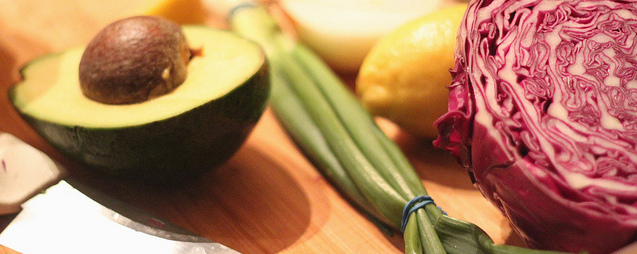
(168, 139)
(51, 89)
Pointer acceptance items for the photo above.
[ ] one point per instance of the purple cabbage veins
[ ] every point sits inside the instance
(543, 113)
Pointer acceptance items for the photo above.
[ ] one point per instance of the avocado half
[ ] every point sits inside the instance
(170, 139)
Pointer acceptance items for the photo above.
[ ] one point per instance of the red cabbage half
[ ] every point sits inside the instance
(543, 113)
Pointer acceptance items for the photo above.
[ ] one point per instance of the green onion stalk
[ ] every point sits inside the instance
(343, 141)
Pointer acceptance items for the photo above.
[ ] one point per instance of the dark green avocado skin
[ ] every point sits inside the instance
(204, 138)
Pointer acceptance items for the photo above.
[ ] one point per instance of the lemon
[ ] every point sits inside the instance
(404, 76)
(180, 11)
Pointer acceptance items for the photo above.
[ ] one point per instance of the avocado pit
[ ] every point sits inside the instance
(133, 60)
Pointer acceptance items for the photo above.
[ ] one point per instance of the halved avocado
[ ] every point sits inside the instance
(167, 140)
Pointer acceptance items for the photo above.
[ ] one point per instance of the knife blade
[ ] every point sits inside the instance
(72, 217)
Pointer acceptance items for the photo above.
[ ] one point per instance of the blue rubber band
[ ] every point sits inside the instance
(412, 206)
(241, 6)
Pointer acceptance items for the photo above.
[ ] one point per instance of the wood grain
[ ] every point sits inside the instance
(268, 198)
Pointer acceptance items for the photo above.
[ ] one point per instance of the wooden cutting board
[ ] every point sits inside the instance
(268, 198)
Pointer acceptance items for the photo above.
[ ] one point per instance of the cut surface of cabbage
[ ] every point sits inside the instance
(543, 112)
